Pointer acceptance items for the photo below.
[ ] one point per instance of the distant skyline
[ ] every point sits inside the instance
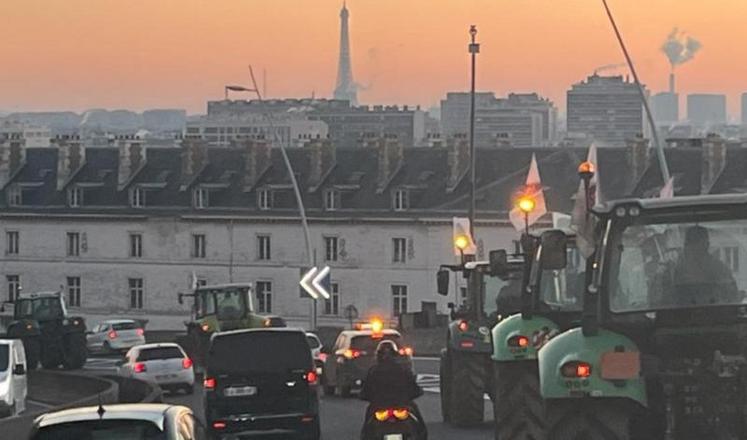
(138, 54)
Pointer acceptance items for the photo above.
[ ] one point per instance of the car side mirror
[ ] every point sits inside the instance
(19, 370)
(180, 298)
(442, 282)
(553, 254)
(498, 261)
(451, 306)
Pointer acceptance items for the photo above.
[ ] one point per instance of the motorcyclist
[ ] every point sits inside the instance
(389, 384)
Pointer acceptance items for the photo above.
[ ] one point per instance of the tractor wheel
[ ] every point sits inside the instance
(467, 389)
(74, 352)
(444, 373)
(586, 419)
(518, 408)
(32, 348)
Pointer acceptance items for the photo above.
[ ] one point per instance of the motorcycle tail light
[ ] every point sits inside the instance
(382, 415)
(401, 413)
(311, 377)
(219, 425)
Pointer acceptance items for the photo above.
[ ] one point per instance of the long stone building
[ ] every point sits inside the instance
(122, 229)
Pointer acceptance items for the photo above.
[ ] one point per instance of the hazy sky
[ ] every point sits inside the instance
(78, 54)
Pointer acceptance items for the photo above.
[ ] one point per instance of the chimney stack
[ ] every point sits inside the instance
(258, 159)
(458, 160)
(12, 156)
(714, 161)
(671, 83)
(391, 158)
(194, 156)
(71, 155)
(323, 158)
(131, 158)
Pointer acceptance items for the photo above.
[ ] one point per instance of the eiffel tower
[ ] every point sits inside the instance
(345, 87)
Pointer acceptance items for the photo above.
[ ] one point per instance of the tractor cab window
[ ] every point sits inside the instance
(40, 309)
(502, 297)
(226, 303)
(677, 265)
(563, 289)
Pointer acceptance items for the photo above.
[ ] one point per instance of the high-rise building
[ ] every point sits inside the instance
(665, 107)
(706, 109)
(345, 87)
(606, 108)
(520, 120)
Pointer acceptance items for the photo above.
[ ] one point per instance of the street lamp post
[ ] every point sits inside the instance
(474, 49)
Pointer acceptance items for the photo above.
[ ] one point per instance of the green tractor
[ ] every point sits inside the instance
(493, 287)
(550, 305)
(662, 349)
(219, 308)
(49, 335)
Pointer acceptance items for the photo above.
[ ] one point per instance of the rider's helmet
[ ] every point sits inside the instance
(386, 350)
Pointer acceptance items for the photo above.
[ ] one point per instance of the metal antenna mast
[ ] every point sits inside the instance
(474, 49)
(659, 148)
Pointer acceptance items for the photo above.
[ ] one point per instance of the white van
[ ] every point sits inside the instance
(12, 377)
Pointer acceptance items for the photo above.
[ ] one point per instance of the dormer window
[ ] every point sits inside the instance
(332, 200)
(75, 197)
(137, 197)
(264, 199)
(15, 196)
(400, 200)
(201, 198)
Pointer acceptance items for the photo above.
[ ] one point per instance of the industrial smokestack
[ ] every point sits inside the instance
(671, 83)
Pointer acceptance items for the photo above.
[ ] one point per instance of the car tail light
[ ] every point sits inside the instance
(576, 369)
(140, 367)
(112, 335)
(401, 413)
(209, 383)
(140, 332)
(519, 341)
(219, 425)
(351, 354)
(311, 377)
(186, 363)
(463, 326)
(382, 415)
(406, 351)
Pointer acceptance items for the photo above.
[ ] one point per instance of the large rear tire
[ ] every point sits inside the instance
(74, 353)
(444, 373)
(588, 419)
(467, 389)
(518, 408)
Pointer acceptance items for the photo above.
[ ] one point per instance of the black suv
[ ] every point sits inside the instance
(261, 381)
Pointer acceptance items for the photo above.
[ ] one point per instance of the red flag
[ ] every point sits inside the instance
(532, 189)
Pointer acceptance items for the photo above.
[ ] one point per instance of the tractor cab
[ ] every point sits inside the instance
(40, 307)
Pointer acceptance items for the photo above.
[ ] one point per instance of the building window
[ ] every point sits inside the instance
(332, 200)
(73, 244)
(264, 296)
(136, 245)
(75, 197)
(73, 291)
(12, 242)
(332, 305)
(264, 199)
(399, 300)
(263, 247)
(137, 197)
(198, 245)
(401, 200)
(399, 247)
(731, 258)
(15, 196)
(330, 248)
(137, 292)
(14, 286)
(201, 198)
(200, 282)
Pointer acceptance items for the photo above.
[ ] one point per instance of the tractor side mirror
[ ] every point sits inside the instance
(19, 370)
(442, 281)
(498, 261)
(554, 250)
(181, 299)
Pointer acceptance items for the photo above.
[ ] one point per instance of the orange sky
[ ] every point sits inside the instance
(78, 54)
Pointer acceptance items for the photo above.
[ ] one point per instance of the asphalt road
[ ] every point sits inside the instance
(342, 418)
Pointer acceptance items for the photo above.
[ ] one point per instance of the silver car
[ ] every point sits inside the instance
(115, 335)
(138, 421)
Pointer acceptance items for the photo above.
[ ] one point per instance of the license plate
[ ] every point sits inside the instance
(394, 437)
(165, 376)
(240, 391)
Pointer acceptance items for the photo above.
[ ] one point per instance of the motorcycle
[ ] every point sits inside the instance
(397, 423)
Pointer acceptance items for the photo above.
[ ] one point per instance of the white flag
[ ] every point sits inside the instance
(533, 189)
(463, 242)
(582, 219)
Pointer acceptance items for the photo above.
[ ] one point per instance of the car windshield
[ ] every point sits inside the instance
(154, 354)
(41, 309)
(313, 342)
(563, 289)
(250, 352)
(102, 430)
(4, 357)
(227, 303)
(369, 343)
(676, 265)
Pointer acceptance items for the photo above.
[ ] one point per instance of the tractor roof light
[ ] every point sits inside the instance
(461, 242)
(586, 170)
(526, 204)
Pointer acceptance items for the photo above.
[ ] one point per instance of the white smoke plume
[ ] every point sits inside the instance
(680, 47)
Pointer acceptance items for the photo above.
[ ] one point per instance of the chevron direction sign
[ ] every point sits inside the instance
(316, 282)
